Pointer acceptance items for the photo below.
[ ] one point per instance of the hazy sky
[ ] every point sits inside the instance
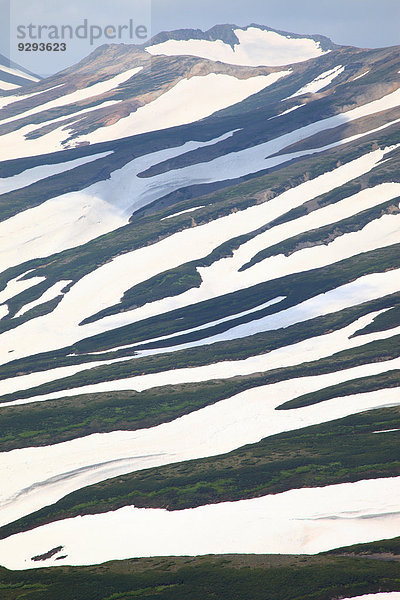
(366, 23)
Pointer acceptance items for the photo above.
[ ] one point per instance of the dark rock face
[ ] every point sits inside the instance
(47, 555)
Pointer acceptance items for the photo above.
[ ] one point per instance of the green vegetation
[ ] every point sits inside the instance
(389, 379)
(43, 423)
(220, 577)
(50, 422)
(340, 451)
(391, 546)
(322, 235)
(176, 281)
(383, 322)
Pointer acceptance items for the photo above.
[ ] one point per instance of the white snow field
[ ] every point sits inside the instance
(77, 217)
(361, 290)
(308, 258)
(36, 477)
(16, 145)
(243, 162)
(256, 47)
(188, 101)
(218, 321)
(228, 166)
(295, 294)
(319, 83)
(304, 521)
(256, 161)
(104, 286)
(15, 384)
(19, 146)
(127, 181)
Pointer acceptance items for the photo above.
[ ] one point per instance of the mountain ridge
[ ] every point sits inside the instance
(225, 32)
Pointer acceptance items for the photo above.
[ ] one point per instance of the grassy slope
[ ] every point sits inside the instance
(42, 423)
(324, 235)
(230, 577)
(385, 547)
(389, 379)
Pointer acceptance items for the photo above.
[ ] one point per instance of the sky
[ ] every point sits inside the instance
(364, 23)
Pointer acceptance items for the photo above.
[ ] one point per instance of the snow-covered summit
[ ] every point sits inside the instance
(254, 45)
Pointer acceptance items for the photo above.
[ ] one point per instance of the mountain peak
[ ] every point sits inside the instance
(252, 45)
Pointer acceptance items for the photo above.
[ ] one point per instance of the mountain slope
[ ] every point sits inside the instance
(121, 90)
(200, 318)
(12, 76)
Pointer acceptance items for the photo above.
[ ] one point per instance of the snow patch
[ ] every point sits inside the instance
(361, 290)
(386, 430)
(286, 112)
(18, 285)
(218, 322)
(77, 217)
(6, 86)
(30, 176)
(182, 212)
(362, 75)
(319, 83)
(306, 351)
(39, 476)
(54, 291)
(16, 98)
(105, 286)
